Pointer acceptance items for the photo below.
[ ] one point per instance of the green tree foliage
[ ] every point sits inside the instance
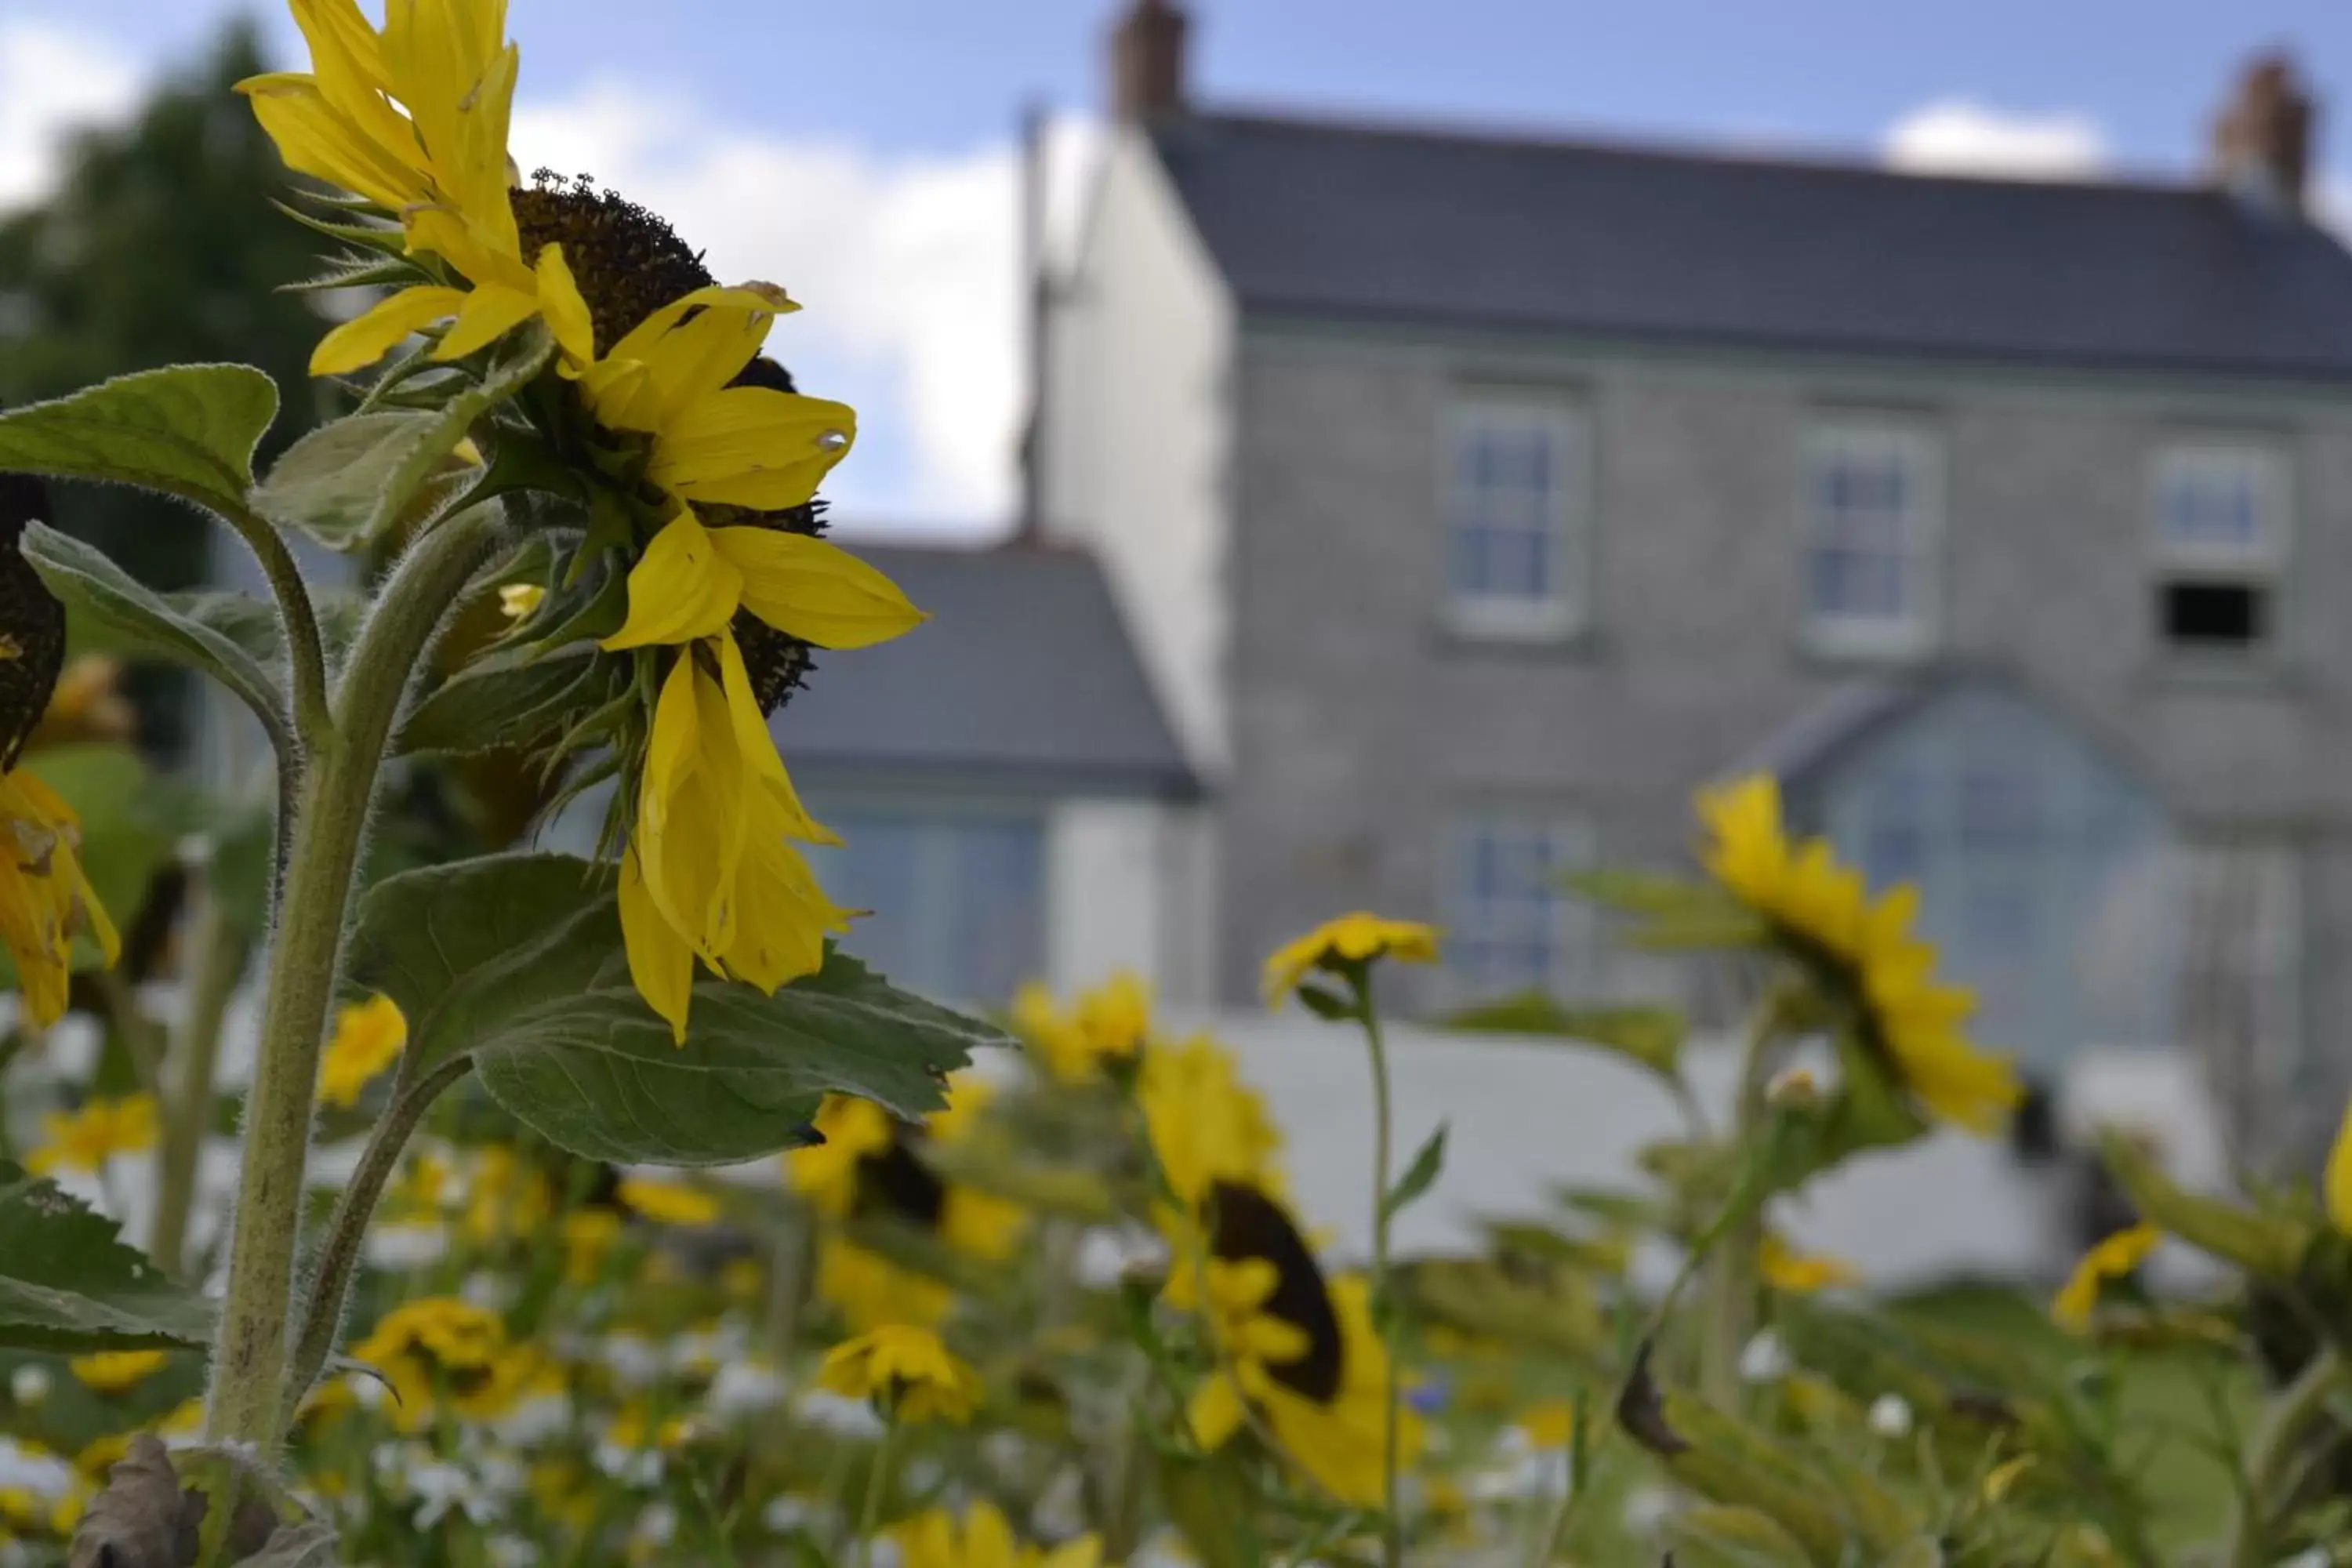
(160, 247)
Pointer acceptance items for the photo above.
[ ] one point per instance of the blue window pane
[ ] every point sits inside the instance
(957, 902)
(1505, 511)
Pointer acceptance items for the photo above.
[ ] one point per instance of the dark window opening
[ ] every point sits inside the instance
(2214, 614)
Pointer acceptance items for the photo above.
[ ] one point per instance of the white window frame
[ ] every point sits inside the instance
(1572, 968)
(1914, 632)
(1563, 611)
(2259, 563)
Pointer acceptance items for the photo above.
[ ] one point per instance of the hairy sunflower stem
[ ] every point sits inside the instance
(1383, 1134)
(2273, 1466)
(322, 1312)
(248, 1397)
(215, 961)
(1732, 1272)
(306, 653)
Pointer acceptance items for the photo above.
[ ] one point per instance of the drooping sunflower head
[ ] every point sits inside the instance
(1246, 1227)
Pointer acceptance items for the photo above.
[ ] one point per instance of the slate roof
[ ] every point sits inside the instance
(1477, 230)
(1024, 676)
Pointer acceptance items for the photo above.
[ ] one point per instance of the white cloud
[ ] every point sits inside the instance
(1956, 136)
(908, 268)
(53, 81)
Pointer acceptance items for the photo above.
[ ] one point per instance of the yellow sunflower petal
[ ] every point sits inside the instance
(752, 446)
(816, 591)
(1215, 1413)
(787, 818)
(315, 138)
(661, 965)
(367, 338)
(490, 312)
(566, 310)
(682, 588)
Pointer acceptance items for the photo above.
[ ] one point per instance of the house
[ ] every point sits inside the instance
(1474, 498)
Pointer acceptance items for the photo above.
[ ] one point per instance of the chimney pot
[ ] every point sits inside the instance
(2262, 139)
(1147, 62)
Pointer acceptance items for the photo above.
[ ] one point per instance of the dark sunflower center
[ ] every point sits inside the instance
(629, 263)
(896, 1183)
(1246, 1224)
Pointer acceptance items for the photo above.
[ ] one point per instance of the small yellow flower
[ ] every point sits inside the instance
(635, 1430)
(2113, 1259)
(116, 1372)
(1551, 1424)
(669, 1203)
(87, 1139)
(932, 1539)
(1111, 1023)
(825, 1173)
(1349, 941)
(906, 1371)
(517, 600)
(2002, 1478)
(1205, 1124)
(101, 1454)
(2337, 1183)
(368, 1038)
(442, 1350)
(588, 1239)
(1783, 1268)
(870, 1291)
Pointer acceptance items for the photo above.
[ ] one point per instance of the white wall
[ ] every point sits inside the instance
(1127, 888)
(1527, 1115)
(1136, 434)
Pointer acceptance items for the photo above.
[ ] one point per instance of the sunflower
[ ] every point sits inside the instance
(2115, 1257)
(1822, 910)
(439, 1351)
(116, 1372)
(871, 1166)
(85, 1139)
(1299, 1351)
(46, 898)
(982, 1539)
(1107, 1025)
(1346, 943)
(905, 1370)
(413, 120)
(1205, 1123)
(711, 872)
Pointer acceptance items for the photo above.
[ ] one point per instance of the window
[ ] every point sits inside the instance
(958, 898)
(1871, 516)
(2221, 535)
(1516, 507)
(1511, 925)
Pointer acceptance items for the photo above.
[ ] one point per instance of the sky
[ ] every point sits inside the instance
(865, 154)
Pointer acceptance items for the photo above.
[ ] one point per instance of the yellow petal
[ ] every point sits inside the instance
(567, 312)
(488, 314)
(2339, 1175)
(987, 1538)
(367, 338)
(661, 965)
(645, 338)
(1215, 1413)
(315, 138)
(752, 446)
(815, 591)
(439, 229)
(682, 588)
(704, 352)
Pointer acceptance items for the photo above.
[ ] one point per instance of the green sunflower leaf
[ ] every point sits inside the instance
(517, 961)
(508, 699)
(346, 483)
(69, 1283)
(187, 431)
(1419, 1176)
(127, 615)
(1650, 1037)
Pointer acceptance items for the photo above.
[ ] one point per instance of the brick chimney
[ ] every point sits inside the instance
(2262, 137)
(1147, 62)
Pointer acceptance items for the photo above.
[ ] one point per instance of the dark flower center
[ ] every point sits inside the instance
(628, 264)
(1243, 1223)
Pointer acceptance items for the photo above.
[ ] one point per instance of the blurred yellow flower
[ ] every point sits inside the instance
(588, 1237)
(506, 1196)
(116, 1372)
(85, 1139)
(1351, 939)
(442, 1351)
(932, 1539)
(635, 1430)
(1205, 1124)
(1783, 1268)
(825, 1173)
(87, 704)
(415, 119)
(870, 1291)
(1110, 1023)
(101, 1454)
(906, 1371)
(1822, 909)
(2337, 1184)
(2113, 1259)
(1549, 1425)
(368, 1038)
(669, 1203)
(44, 898)
(2002, 1478)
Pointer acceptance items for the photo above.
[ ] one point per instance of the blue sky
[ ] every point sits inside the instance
(860, 152)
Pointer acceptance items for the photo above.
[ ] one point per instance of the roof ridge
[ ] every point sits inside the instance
(1825, 161)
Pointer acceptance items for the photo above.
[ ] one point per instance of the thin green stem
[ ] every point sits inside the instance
(248, 1377)
(1384, 1135)
(1732, 1272)
(869, 1513)
(332, 1279)
(2271, 1465)
(216, 958)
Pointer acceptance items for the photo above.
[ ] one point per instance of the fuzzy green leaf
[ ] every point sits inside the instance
(508, 699)
(133, 617)
(1650, 1037)
(1419, 1176)
(187, 431)
(69, 1283)
(518, 960)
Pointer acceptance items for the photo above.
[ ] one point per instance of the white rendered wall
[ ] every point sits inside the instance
(1126, 887)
